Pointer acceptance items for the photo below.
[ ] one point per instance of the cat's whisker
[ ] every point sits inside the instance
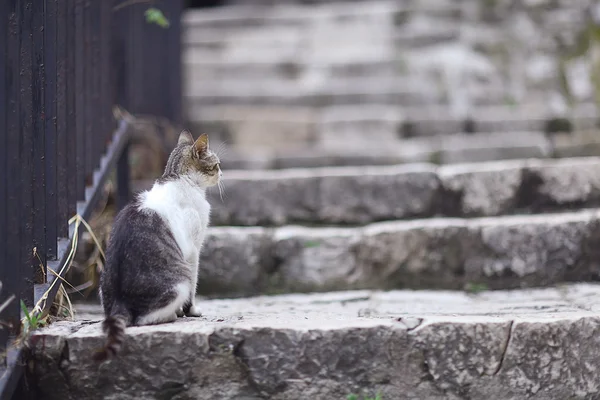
(221, 150)
(222, 193)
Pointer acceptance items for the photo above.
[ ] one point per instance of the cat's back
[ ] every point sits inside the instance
(139, 233)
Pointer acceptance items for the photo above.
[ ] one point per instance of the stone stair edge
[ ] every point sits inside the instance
(438, 253)
(349, 112)
(292, 230)
(411, 168)
(399, 349)
(403, 192)
(302, 12)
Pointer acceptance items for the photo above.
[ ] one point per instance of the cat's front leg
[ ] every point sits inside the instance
(190, 309)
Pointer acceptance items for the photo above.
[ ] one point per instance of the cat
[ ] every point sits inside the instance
(153, 253)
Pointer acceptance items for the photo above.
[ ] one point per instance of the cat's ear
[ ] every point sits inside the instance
(185, 137)
(201, 144)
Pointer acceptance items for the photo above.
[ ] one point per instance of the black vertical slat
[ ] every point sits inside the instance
(4, 70)
(119, 28)
(174, 68)
(123, 178)
(105, 73)
(62, 115)
(79, 109)
(135, 59)
(165, 68)
(50, 103)
(89, 98)
(38, 137)
(11, 274)
(97, 112)
(24, 161)
(73, 186)
(4, 18)
(150, 71)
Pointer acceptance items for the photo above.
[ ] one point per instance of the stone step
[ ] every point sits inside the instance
(204, 71)
(243, 18)
(317, 93)
(540, 344)
(441, 253)
(279, 127)
(449, 149)
(459, 55)
(364, 194)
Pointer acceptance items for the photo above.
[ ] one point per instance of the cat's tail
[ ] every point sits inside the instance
(114, 327)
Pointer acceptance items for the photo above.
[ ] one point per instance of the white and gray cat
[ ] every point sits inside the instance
(152, 257)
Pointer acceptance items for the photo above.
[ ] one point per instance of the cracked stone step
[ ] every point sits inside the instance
(364, 194)
(437, 253)
(535, 344)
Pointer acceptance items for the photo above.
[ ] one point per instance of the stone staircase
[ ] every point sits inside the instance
(330, 79)
(440, 219)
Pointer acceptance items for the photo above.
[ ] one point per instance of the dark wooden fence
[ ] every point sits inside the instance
(64, 64)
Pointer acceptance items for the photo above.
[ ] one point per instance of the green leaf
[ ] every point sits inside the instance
(352, 397)
(155, 16)
(25, 311)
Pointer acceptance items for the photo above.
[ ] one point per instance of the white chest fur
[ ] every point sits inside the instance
(184, 207)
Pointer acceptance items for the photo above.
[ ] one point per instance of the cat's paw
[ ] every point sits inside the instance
(180, 312)
(193, 312)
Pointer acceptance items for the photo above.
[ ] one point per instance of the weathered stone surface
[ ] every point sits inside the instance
(447, 149)
(537, 344)
(348, 195)
(484, 147)
(359, 195)
(442, 253)
(358, 126)
(246, 255)
(340, 195)
(325, 94)
(308, 258)
(256, 129)
(568, 182)
(583, 143)
(267, 198)
(487, 189)
(462, 55)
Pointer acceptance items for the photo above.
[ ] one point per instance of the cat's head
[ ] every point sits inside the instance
(194, 160)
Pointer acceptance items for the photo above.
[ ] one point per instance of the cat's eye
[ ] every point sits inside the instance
(215, 167)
